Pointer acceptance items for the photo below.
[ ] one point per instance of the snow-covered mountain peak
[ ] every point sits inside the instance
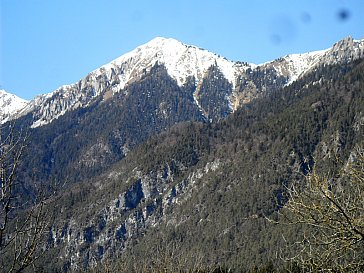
(10, 105)
(180, 60)
(167, 44)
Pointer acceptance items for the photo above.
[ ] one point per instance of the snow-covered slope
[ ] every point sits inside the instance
(294, 66)
(180, 60)
(10, 105)
(183, 61)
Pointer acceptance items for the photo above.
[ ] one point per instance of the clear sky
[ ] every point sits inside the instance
(47, 43)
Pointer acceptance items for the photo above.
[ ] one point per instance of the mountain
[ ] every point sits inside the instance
(183, 62)
(173, 150)
(10, 106)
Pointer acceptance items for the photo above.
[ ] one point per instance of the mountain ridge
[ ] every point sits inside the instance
(182, 62)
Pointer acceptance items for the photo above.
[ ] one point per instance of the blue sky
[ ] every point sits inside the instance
(47, 43)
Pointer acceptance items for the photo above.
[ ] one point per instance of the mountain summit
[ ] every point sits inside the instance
(181, 61)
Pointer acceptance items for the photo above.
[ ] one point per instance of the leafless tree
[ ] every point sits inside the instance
(331, 212)
(23, 224)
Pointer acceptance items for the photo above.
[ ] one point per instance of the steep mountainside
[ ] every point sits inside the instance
(201, 192)
(85, 141)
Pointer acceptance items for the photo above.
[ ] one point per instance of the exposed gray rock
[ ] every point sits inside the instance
(144, 204)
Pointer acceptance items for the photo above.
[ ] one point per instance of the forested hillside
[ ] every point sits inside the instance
(198, 195)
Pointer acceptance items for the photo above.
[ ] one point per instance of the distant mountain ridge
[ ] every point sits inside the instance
(183, 62)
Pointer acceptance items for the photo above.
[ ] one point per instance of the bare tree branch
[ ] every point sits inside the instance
(23, 225)
(331, 212)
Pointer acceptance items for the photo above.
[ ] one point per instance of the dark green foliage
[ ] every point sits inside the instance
(213, 94)
(264, 79)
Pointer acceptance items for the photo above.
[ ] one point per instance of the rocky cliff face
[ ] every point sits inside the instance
(344, 51)
(146, 202)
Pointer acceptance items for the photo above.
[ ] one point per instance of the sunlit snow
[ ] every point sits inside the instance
(10, 105)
